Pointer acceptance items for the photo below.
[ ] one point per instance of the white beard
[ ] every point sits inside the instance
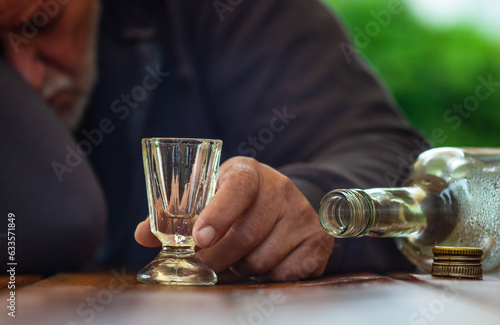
(57, 82)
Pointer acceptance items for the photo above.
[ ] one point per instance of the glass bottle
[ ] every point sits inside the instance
(452, 198)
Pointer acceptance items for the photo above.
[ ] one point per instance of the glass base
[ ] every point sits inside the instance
(177, 266)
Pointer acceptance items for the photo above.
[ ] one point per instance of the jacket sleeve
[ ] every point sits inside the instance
(289, 90)
(55, 203)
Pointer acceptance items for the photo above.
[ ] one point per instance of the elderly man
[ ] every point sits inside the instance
(268, 77)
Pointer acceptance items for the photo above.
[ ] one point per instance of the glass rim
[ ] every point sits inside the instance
(177, 140)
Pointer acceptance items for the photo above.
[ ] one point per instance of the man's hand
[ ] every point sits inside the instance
(257, 224)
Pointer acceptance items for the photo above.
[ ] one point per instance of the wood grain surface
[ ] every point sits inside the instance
(115, 297)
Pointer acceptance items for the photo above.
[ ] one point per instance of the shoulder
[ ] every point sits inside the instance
(247, 20)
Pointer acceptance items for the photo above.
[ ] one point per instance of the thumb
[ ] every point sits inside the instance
(237, 190)
(144, 236)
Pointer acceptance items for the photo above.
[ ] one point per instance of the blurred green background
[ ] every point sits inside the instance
(432, 69)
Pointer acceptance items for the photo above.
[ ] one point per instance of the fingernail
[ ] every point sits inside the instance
(205, 236)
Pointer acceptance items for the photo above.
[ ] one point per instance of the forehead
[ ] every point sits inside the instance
(12, 12)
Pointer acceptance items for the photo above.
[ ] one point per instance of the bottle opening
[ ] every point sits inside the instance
(341, 213)
(346, 213)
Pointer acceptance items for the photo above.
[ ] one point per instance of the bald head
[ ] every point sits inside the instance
(51, 43)
(12, 11)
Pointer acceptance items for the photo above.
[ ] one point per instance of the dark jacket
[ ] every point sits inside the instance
(270, 78)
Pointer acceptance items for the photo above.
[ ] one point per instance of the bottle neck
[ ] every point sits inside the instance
(378, 212)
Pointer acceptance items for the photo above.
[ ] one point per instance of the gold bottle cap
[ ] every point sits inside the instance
(457, 262)
(469, 251)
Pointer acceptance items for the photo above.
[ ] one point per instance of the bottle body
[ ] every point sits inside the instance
(452, 198)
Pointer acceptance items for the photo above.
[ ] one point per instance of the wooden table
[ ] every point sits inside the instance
(114, 297)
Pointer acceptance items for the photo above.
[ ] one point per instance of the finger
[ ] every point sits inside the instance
(247, 232)
(308, 260)
(144, 236)
(269, 253)
(261, 224)
(296, 226)
(238, 187)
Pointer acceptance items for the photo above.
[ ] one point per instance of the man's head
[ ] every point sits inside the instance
(51, 43)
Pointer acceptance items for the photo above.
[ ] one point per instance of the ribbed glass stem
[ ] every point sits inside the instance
(179, 251)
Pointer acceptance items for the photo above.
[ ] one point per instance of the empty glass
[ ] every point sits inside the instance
(181, 176)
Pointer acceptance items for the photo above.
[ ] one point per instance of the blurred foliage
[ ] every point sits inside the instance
(430, 70)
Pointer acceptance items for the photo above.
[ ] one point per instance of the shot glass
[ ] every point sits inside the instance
(181, 175)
